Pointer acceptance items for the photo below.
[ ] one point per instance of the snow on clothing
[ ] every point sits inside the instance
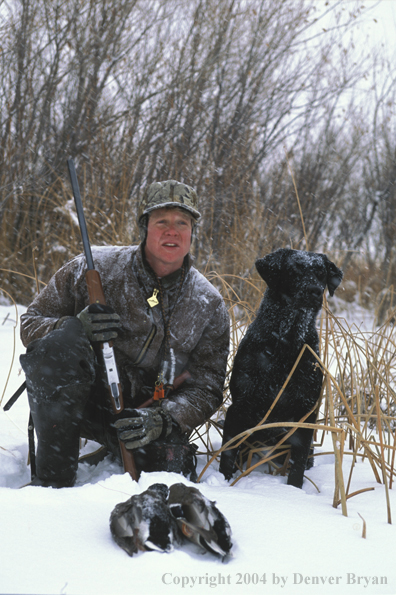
(199, 330)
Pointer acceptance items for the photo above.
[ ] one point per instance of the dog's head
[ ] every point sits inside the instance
(299, 276)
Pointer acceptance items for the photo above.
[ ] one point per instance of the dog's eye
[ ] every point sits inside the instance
(298, 267)
(320, 274)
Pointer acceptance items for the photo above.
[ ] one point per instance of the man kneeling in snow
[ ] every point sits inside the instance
(165, 319)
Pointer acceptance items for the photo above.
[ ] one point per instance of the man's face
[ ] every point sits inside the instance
(168, 240)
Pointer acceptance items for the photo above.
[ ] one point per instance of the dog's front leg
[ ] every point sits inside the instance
(228, 457)
(300, 442)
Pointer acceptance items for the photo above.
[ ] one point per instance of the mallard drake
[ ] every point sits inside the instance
(144, 522)
(199, 519)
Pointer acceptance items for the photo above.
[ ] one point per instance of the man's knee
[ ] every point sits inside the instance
(63, 358)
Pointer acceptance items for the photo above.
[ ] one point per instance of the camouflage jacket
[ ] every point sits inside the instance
(199, 327)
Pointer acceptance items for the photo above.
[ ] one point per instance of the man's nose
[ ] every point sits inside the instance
(172, 229)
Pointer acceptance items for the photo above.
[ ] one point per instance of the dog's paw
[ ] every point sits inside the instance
(227, 468)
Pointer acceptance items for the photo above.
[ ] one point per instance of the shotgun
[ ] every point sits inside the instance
(96, 296)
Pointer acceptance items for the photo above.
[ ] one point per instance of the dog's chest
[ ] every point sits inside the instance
(282, 333)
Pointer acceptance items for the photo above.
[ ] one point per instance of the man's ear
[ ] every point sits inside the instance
(334, 275)
(269, 267)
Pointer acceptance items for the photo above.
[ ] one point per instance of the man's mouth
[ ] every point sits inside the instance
(170, 245)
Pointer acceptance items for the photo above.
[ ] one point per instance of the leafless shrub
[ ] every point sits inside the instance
(206, 91)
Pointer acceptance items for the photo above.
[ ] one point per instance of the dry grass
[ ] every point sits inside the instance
(358, 398)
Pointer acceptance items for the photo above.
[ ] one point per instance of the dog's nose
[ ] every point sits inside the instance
(315, 291)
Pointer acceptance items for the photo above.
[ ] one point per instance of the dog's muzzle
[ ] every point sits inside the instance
(314, 295)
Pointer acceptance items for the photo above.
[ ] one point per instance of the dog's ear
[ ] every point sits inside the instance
(334, 275)
(270, 266)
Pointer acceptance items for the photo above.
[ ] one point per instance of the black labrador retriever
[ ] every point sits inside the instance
(285, 321)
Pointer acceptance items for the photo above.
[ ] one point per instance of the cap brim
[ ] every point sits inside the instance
(172, 205)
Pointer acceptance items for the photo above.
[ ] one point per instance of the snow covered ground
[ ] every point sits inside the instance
(285, 540)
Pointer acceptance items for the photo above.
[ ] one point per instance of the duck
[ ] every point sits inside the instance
(145, 523)
(199, 520)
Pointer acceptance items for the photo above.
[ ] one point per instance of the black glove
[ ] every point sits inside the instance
(100, 322)
(145, 426)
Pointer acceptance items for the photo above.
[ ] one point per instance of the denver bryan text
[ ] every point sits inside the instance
(349, 579)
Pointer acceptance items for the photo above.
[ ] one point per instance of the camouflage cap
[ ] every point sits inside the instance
(169, 194)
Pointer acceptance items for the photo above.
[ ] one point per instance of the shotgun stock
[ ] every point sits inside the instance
(96, 296)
